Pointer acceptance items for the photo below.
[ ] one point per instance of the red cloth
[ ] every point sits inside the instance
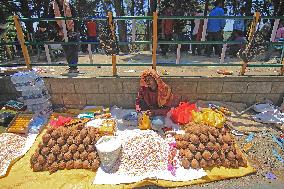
(92, 28)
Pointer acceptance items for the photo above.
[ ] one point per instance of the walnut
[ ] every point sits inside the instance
(78, 164)
(87, 141)
(55, 134)
(86, 164)
(61, 165)
(45, 151)
(73, 148)
(203, 163)
(75, 133)
(222, 155)
(69, 140)
(218, 162)
(194, 139)
(217, 147)
(203, 138)
(182, 152)
(210, 146)
(55, 149)
(226, 163)
(37, 167)
(242, 163)
(192, 148)
(53, 167)
(60, 157)
(92, 156)
(215, 155)
(201, 147)
(51, 143)
(78, 140)
(67, 156)
(69, 164)
(84, 155)
(227, 138)
(90, 148)
(41, 160)
(225, 147)
(239, 155)
(234, 164)
(206, 155)
(65, 148)
(198, 156)
(231, 156)
(215, 132)
(41, 145)
(81, 148)
(61, 141)
(95, 165)
(50, 158)
(195, 164)
(185, 163)
(212, 138)
(178, 137)
(204, 130)
(76, 155)
(34, 157)
(83, 133)
(210, 163)
(49, 130)
(220, 139)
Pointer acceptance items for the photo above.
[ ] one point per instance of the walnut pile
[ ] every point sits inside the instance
(69, 147)
(203, 147)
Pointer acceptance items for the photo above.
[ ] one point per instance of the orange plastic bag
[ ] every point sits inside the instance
(183, 113)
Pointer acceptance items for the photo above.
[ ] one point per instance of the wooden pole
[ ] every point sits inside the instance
(254, 23)
(155, 40)
(21, 39)
(113, 58)
(90, 53)
(223, 54)
(47, 53)
(178, 54)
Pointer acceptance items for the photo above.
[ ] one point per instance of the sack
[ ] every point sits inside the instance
(209, 117)
(183, 113)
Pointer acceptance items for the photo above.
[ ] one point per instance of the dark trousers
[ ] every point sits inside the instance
(196, 47)
(165, 47)
(71, 52)
(214, 36)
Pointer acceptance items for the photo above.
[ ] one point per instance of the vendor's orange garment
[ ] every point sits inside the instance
(160, 101)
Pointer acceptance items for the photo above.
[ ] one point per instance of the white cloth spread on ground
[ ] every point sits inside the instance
(119, 178)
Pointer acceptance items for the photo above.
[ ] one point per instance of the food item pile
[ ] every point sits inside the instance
(71, 146)
(11, 147)
(144, 153)
(204, 146)
(20, 124)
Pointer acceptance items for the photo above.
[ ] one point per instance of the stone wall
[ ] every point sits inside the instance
(77, 92)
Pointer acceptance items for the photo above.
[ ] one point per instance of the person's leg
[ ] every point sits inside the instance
(218, 47)
(193, 46)
(209, 46)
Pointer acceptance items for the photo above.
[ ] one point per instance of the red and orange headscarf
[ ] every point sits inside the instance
(164, 91)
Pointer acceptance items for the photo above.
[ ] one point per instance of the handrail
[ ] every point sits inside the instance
(107, 18)
(149, 64)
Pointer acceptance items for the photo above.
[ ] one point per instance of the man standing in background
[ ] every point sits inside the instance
(167, 29)
(239, 24)
(197, 32)
(63, 8)
(215, 29)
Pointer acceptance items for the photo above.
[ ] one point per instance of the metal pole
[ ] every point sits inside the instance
(21, 39)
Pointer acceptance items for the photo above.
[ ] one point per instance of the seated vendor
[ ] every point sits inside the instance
(154, 96)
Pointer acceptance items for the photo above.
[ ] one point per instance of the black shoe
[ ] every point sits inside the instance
(73, 70)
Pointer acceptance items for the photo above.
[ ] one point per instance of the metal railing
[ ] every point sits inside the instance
(255, 20)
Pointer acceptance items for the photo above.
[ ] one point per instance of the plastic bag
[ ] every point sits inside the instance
(144, 122)
(182, 114)
(209, 117)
